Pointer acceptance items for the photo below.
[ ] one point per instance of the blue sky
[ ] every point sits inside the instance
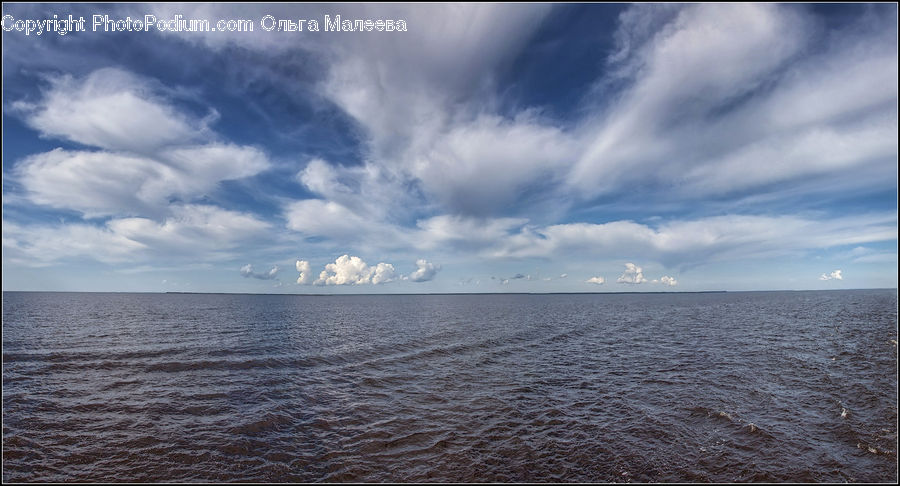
(488, 148)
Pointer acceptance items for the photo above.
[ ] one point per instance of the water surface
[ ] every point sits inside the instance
(768, 386)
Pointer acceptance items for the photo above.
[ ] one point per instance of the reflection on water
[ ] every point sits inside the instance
(770, 386)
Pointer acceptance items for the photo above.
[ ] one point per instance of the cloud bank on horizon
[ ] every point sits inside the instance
(723, 146)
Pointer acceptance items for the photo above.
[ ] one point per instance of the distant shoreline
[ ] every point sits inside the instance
(445, 293)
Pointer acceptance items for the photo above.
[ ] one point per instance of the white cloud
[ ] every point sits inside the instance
(692, 242)
(689, 109)
(306, 276)
(192, 229)
(692, 64)
(466, 233)
(111, 109)
(42, 245)
(633, 275)
(835, 275)
(424, 272)
(383, 273)
(247, 272)
(694, 111)
(764, 110)
(315, 217)
(596, 280)
(483, 166)
(150, 151)
(674, 243)
(666, 280)
(321, 178)
(192, 233)
(348, 270)
(886, 257)
(108, 183)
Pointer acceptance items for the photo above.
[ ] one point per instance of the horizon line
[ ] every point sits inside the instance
(444, 293)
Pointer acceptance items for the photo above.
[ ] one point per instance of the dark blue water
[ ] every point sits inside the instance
(768, 386)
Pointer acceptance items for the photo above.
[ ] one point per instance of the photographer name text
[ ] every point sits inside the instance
(177, 23)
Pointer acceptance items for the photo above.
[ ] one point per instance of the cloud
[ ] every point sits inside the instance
(150, 152)
(191, 233)
(328, 219)
(192, 228)
(765, 96)
(424, 272)
(42, 245)
(887, 257)
(463, 168)
(776, 110)
(835, 275)
(484, 166)
(464, 233)
(112, 109)
(596, 280)
(686, 243)
(247, 272)
(306, 276)
(633, 275)
(666, 280)
(347, 270)
(451, 160)
(383, 273)
(674, 243)
(109, 183)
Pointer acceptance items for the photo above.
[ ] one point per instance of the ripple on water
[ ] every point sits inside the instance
(787, 387)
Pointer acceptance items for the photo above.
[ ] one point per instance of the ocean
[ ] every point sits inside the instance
(725, 387)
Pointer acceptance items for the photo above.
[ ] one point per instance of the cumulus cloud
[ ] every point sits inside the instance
(835, 275)
(383, 273)
(596, 280)
(666, 280)
(424, 272)
(306, 276)
(633, 275)
(247, 272)
(352, 270)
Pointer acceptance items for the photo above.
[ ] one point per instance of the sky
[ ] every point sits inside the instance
(480, 148)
